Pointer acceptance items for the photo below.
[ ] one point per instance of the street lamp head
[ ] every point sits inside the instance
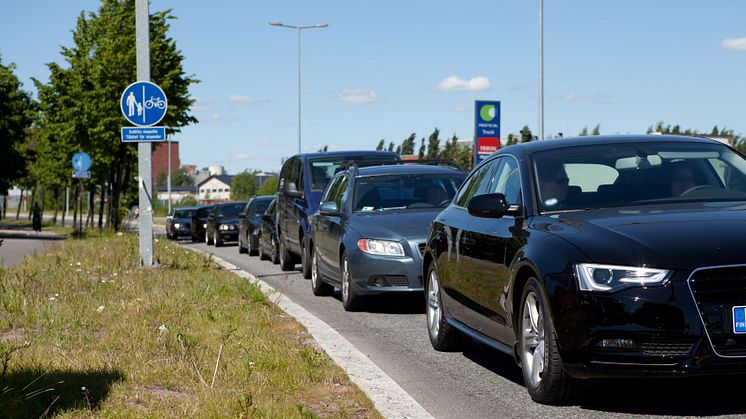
(276, 23)
(321, 25)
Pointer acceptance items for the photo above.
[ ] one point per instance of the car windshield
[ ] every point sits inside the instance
(261, 206)
(611, 175)
(231, 210)
(403, 192)
(203, 212)
(323, 170)
(183, 214)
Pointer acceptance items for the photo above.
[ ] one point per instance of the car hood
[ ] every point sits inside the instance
(181, 220)
(394, 225)
(675, 236)
(228, 221)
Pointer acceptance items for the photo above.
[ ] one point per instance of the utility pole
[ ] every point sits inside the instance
(144, 150)
(168, 178)
(541, 69)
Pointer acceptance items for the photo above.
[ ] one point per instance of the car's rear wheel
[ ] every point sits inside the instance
(217, 239)
(251, 245)
(319, 287)
(350, 300)
(275, 252)
(262, 254)
(305, 258)
(241, 249)
(286, 261)
(443, 336)
(545, 378)
(208, 241)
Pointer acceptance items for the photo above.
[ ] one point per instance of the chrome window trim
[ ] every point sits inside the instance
(701, 319)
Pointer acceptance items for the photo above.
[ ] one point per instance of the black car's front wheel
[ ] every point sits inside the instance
(443, 336)
(275, 252)
(305, 258)
(242, 249)
(253, 243)
(318, 286)
(217, 239)
(262, 254)
(545, 378)
(350, 300)
(208, 241)
(286, 260)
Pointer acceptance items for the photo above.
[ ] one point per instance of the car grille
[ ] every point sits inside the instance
(666, 348)
(397, 280)
(716, 291)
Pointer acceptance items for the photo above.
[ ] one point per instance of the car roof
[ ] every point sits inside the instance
(185, 208)
(405, 169)
(223, 204)
(264, 197)
(350, 153)
(557, 143)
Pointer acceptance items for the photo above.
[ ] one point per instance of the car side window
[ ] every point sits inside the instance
(285, 175)
(507, 181)
(299, 176)
(330, 190)
(476, 184)
(342, 193)
(247, 208)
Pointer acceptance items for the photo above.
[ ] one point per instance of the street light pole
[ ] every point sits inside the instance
(299, 28)
(541, 69)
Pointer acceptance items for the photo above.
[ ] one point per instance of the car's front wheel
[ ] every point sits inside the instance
(443, 336)
(275, 252)
(217, 239)
(253, 243)
(305, 258)
(262, 254)
(286, 260)
(208, 241)
(241, 249)
(318, 286)
(350, 300)
(545, 378)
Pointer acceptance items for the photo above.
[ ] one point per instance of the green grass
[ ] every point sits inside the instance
(85, 332)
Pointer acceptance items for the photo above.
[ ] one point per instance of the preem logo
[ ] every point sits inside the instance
(487, 113)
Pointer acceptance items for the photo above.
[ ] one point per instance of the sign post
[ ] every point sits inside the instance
(81, 163)
(486, 129)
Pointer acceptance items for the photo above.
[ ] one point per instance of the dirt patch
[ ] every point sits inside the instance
(13, 335)
(163, 392)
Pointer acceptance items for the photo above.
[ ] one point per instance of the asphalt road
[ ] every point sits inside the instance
(481, 382)
(18, 242)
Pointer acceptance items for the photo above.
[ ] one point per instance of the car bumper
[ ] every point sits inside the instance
(182, 232)
(373, 274)
(228, 235)
(647, 332)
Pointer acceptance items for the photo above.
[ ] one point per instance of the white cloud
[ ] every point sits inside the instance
(242, 99)
(220, 118)
(357, 96)
(572, 97)
(734, 44)
(456, 84)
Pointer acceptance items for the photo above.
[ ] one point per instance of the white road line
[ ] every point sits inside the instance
(388, 397)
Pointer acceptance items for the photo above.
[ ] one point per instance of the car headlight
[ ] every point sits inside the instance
(177, 225)
(204, 225)
(224, 227)
(594, 277)
(380, 247)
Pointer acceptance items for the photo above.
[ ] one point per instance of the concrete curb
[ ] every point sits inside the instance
(388, 397)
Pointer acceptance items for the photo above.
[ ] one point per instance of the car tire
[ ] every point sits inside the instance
(262, 254)
(195, 239)
(305, 258)
(275, 253)
(350, 300)
(252, 247)
(443, 336)
(207, 239)
(286, 260)
(318, 286)
(241, 249)
(543, 373)
(218, 241)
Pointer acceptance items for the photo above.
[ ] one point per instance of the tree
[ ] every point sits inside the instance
(596, 130)
(512, 139)
(243, 186)
(407, 146)
(421, 153)
(391, 146)
(16, 116)
(433, 145)
(80, 114)
(380, 145)
(583, 132)
(269, 187)
(526, 135)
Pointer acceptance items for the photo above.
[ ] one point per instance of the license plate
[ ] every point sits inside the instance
(739, 319)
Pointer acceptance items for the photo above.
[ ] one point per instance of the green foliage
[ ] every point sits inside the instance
(269, 187)
(407, 146)
(179, 177)
(188, 201)
(583, 132)
(526, 135)
(243, 186)
(16, 116)
(597, 129)
(380, 145)
(512, 139)
(433, 145)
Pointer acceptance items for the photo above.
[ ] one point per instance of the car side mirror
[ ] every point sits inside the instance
(492, 205)
(291, 190)
(329, 208)
(267, 218)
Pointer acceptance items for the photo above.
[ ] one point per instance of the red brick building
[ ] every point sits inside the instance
(160, 159)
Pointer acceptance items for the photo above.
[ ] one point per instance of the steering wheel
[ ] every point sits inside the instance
(696, 188)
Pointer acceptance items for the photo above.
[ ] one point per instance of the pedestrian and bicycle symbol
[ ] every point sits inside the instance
(81, 164)
(143, 103)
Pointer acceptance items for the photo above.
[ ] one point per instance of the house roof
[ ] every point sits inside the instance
(226, 179)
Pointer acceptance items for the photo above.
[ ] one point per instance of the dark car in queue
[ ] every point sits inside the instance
(303, 178)
(199, 223)
(250, 222)
(596, 257)
(222, 223)
(268, 247)
(371, 227)
(179, 222)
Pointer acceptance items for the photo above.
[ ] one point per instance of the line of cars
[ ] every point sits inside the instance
(581, 258)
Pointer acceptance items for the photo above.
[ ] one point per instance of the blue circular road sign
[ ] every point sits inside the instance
(81, 161)
(143, 103)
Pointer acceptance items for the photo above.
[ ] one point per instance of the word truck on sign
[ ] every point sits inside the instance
(486, 129)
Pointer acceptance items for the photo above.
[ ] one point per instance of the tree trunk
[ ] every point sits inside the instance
(102, 200)
(91, 206)
(20, 201)
(118, 182)
(75, 208)
(5, 206)
(31, 201)
(43, 195)
(55, 199)
(64, 206)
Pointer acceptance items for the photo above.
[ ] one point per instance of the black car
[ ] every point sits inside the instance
(179, 222)
(222, 223)
(250, 221)
(596, 257)
(199, 223)
(303, 178)
(371, 227)
(268, 247)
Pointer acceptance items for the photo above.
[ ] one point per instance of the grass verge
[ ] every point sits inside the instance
(86, 332)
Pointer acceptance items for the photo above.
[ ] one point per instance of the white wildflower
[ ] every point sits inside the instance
(52, 298)
(100, 309)
(78, 263)
(161, 329)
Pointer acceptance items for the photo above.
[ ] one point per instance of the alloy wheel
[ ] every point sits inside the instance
(433, 304)
(533, 341)
(345, 280)
(314, 271)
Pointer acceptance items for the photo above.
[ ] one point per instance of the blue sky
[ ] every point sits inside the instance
(387, 68)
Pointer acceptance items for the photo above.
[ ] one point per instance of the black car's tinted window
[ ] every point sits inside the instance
(230, 210)
(183, 213)
(379, 193)
(610, 175)
(203, 212)
(324, 169)
(476, 184)
(260, 206)
(507, 180)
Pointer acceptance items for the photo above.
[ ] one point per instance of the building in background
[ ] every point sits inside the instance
(178, 193)
(160, 159)
(215, 188)
(261, 177)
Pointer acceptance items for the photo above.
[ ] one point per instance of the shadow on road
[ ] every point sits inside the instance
(413, 303)
(21, 236)
(37, 393)
(495, 361)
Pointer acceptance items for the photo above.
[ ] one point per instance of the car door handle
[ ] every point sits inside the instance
(468, 241)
